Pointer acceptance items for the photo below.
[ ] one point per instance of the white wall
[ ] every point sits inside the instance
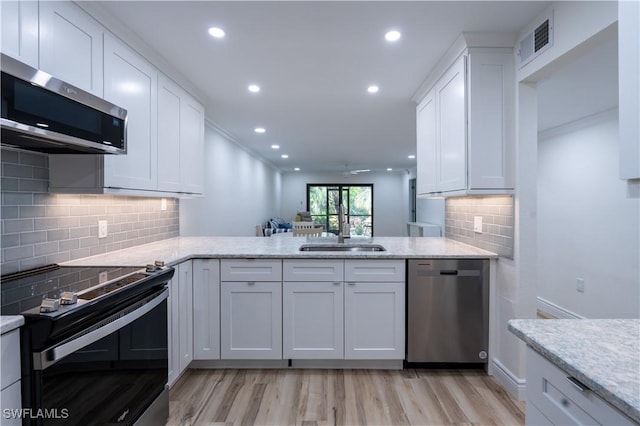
(390, 197)
(241, 191)
(587, 225)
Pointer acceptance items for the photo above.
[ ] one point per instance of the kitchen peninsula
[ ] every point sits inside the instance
(237, 302)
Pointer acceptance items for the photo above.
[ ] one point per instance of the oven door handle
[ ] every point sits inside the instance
(48, 357)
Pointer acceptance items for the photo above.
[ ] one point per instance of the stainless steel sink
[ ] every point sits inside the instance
(341, 247)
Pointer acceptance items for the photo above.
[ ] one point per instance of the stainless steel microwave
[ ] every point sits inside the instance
(42, 113)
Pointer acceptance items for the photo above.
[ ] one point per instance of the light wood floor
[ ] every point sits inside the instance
(341, 397)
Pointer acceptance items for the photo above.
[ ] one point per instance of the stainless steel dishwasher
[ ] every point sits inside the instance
(448, 311)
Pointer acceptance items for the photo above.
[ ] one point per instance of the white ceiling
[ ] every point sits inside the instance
(314, 61)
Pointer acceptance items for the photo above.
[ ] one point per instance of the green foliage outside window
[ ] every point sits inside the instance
(323, 203)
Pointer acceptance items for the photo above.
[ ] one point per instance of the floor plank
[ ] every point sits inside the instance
(341, 397)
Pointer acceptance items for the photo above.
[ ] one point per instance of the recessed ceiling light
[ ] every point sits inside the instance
(284, 156)
(275, 146)
(412, 156)
(216, 32)
(254, 88)
(373, 89)
(297, 169)
(259, 130)
(389, 169)
(393, 35)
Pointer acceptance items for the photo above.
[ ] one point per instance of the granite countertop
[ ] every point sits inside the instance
(10, 322)
(179, 249)
(604, 354)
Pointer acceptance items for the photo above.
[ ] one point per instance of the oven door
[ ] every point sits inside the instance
(113, 373)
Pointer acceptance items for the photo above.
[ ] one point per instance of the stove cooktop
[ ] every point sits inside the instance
(24, 293)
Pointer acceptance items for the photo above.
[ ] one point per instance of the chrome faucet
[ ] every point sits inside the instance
(341, 220)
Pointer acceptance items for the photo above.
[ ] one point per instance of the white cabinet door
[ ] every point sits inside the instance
(180, 139)
(374, 320)
(491, 121)
(629, 88)
(132, 83)
(169, 160)
(20, 30)
(71, 45)
(173, 325)
(427, 145)
(191, 146)
(452, 128)
(251, 320)
(206, 309)
(11, 401)
(185, 314)
(312, 319)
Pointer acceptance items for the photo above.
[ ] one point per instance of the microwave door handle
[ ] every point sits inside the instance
(48, 357)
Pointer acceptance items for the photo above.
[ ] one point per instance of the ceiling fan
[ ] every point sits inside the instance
(348, 172)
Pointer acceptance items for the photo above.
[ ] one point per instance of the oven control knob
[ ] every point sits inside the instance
(49, 305)
(159, 263)
(68, 298)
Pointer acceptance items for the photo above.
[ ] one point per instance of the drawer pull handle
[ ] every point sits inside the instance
(251, 283)
(577, 384)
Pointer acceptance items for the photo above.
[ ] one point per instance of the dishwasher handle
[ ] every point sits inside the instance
(449, 272)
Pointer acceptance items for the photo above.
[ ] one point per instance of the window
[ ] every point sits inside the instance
(323, 201)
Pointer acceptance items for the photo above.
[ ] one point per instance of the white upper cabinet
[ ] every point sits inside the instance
(20, 30)
(164, 157)
(71, 45)
(180, 139)
(191, 146)
(169, 105)
(451, 121)
(491, 129)
(427, 150)
(132, 83)
(629, 88)
(465, 126)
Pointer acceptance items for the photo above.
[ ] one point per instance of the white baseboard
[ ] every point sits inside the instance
(555, 310)
(516, 386)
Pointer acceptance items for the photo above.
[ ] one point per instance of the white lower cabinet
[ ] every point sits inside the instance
(251, 309)
(313, 309)
(251, 320)
(10, 397)
(312, 318)
(374, 319)
(180, 320)
(206, 309)
(556, 398)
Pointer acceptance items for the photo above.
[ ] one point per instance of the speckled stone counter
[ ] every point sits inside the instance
(604, 354)
(175, 250)
(10, 322)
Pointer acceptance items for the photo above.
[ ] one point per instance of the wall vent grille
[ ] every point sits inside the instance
(536, 42)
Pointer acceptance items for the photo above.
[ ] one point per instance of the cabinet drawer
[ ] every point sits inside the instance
(313, 270)
(550, 389)
(250, 270)
(374, 270)
(10, 363)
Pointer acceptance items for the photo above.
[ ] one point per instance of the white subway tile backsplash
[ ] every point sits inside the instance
(497, 218)
(39, 228)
